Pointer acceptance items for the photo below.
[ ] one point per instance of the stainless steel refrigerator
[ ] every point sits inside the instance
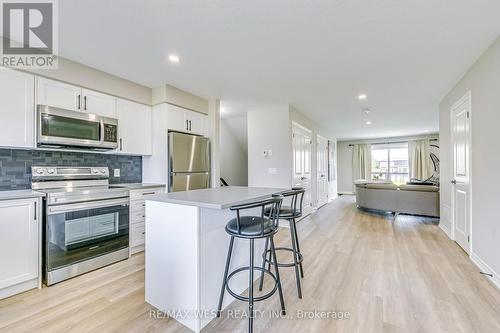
(189, 162)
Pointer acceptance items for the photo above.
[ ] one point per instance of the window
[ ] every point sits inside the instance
(390, 162)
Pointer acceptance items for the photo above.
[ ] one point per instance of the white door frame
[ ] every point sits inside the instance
(312, 185)
(322, 138)
(467, 96)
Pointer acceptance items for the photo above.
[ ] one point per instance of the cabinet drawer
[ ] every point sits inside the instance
(143, 194)
(138, 217)
(137, 206)
(137, 234)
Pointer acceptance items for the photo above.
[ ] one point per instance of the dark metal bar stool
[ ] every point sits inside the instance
(254, 227)
(291, 213)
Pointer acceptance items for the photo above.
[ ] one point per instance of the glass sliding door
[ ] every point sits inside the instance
(390, 162)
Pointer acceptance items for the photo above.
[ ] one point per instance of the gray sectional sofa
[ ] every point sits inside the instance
(406, 199)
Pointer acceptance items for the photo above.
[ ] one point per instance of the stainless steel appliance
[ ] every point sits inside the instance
(64, 128)
(189, 162)
(86, 221)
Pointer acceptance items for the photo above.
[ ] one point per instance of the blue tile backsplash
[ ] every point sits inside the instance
(15, 165)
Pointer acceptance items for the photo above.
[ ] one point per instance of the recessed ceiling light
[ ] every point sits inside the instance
(173, 58)
(426, 131)
(362, 96)
(368, 122)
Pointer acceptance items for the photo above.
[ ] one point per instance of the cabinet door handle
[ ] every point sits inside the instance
(190, 125)
(148, 193)
(187, 125)
(35, 215)
(79, 99)
(85, 102)
(121, 144)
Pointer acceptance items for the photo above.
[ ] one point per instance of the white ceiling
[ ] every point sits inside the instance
(315, 55)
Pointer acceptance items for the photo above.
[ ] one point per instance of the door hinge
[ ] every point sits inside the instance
(468, 239)
(468, 114)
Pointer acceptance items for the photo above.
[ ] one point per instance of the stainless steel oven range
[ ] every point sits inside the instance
(86, 221)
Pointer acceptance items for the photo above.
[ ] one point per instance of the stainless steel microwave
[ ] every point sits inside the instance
(64, 128)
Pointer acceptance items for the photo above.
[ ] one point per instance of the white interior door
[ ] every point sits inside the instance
(302, 143)
(322, 170)
(460, 122)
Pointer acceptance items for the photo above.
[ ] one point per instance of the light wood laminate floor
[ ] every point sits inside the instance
(405, 276)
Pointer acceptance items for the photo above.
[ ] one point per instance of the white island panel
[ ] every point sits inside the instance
(186, 250)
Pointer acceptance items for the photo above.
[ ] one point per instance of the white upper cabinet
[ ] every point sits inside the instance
(17, 109)
(19, 254)
(134, 127)
(98, 103)
(70, 97)
(59, 94)
(198, 123)
(188, 121)
(176, 119)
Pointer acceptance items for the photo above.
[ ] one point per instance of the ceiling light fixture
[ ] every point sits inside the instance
(173, 58)
(367, 111)
(362, 97)
(426, 131)
(368, 122)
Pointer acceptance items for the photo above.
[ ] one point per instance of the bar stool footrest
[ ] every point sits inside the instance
(299, 255)
(255, 299)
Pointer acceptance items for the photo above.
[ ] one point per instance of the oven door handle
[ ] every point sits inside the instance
(86, 205)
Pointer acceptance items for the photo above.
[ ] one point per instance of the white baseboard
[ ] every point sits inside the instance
(485, 269)
(445, 229)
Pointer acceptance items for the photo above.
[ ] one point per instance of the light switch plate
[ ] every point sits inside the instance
(273, 171)
(117, 172)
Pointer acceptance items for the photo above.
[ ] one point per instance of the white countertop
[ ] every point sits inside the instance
(20, 194)
(217, 198)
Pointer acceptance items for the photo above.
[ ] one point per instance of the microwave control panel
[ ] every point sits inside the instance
(110, 133)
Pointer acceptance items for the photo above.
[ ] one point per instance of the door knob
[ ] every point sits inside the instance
(453, 181)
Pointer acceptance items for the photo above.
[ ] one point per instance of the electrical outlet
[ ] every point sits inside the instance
(117, 172)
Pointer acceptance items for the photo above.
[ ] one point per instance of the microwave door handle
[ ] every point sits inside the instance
(102, 132)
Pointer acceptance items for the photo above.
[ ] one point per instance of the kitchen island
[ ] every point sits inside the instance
(186, 250)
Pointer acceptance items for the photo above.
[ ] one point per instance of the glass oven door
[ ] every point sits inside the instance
(81, 231)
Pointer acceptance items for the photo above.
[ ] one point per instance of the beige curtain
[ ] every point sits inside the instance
(419, 159)
(361, 161)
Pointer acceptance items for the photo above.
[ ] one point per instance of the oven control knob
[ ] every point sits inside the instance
(39, 171)
(95, 171)
(50, 171)
(103, 170)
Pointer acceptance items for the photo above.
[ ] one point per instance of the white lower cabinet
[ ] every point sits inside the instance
(20, 232)
(137, 230)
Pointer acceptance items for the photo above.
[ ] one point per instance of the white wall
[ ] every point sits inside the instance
(81, 75)
(233, 156)
(483, 80)
(344, 158)
(269, 129)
